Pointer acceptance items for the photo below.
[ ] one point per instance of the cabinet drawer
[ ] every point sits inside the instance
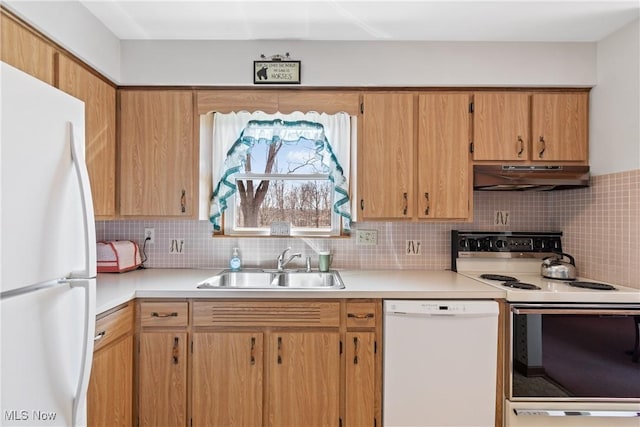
(113, 326)
(361, 314)
(279, 313)
(164, 314)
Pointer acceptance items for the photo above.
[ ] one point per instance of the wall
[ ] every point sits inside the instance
(601, 223)
(615, 103)
(72, 26)
(528, 211)
(363, 63)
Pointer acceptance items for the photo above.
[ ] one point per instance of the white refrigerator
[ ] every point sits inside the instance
(47, 252)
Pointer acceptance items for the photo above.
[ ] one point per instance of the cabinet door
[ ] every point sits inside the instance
(304, 379)
(24, 50)
(360, 389)
(109, 402)
(386, 157)
(157, 154)
(162, 379)
(443, 156)
(227, 379)
(100, 129)
(560, 126)
(501, 126)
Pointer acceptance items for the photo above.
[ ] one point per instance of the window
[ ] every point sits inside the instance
(281, 171)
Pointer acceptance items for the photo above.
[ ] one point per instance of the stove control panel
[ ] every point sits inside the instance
(505, 244)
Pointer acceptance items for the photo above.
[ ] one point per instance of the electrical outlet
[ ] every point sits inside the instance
(177, 246)
(367, 237)
(501, 218)
(412, 247)
(150, 233)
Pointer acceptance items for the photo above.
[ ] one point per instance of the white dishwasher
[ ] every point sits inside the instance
(440, 362)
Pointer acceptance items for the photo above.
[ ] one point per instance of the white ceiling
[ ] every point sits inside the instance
(514, 20)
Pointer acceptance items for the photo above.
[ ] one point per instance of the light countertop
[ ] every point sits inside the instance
(117, 288)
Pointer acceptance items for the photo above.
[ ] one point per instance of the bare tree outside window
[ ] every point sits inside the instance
(283, 182)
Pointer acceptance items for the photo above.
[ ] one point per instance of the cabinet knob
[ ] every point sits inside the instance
(175, 353)
(183, 201)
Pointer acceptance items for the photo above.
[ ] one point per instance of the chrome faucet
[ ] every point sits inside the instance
(282, 263)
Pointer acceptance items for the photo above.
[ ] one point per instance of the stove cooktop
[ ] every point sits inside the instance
(531, 287)
(512, 261)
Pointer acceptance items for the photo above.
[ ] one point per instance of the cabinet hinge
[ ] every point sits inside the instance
(362, 108)
(340, 422)
(375, 347)
(340, 346)
(471, 147)
(191, 421)
(471, 107)
(375, 422)
(191, 346)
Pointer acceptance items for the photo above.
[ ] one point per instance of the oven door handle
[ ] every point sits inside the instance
(575, 413)
(604, 309)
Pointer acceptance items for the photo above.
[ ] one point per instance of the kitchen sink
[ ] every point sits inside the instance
(270, 279)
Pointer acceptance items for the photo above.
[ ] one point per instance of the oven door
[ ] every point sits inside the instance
(573, 361)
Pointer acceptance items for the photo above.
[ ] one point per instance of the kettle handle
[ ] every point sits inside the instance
(572, 260)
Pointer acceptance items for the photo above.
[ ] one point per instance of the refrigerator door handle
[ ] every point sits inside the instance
(80, 167)
(79, 402)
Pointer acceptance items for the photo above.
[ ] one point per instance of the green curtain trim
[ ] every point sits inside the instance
(237, 156)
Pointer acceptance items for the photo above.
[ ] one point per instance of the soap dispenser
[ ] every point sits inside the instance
(235, 262)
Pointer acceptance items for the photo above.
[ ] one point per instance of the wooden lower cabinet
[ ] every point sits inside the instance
(276, 363)
(110, 389)
(304, 379)
(360, 387)
(110, 393)
(162, 379)
(228, 379)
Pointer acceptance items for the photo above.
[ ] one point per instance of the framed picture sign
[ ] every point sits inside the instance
(276, 72)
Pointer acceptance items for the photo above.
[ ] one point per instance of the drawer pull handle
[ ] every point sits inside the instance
(156, 314)
(183, 201)
(175, 352)
(427, 204)
(99, 336)
(360, 315)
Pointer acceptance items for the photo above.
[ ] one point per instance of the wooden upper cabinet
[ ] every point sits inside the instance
(26, 51)
(560, 126)
(386, 156)
(443, 156)
(501, 126)
(158, 154)
(100, 130)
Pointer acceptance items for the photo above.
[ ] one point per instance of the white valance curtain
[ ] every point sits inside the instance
(230, 128)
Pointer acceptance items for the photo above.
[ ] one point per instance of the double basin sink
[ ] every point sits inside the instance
(273, 279)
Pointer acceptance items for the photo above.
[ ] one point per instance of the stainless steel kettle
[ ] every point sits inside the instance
(554, 268)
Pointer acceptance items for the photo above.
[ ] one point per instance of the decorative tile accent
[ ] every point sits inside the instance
(601, 226)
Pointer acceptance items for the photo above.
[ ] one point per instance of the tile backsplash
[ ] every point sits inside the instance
(606, 213)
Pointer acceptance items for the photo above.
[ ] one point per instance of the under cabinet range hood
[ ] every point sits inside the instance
(529, 177)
